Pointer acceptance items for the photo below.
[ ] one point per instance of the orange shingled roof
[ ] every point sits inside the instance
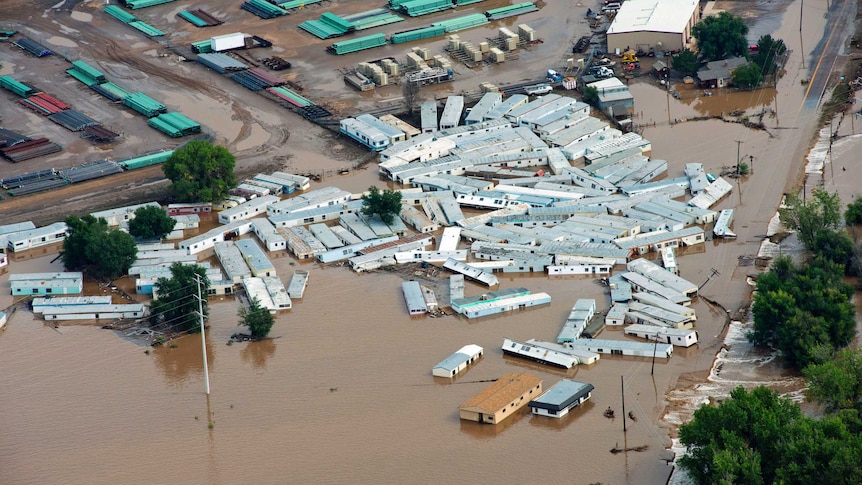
(502, 392)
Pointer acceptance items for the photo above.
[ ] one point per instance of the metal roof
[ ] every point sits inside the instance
(562, 394)
(670, 16)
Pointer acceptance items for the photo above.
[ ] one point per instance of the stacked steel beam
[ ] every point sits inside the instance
(30, 149)
(90, 171)
(72, 120)
(256, 79)
(44, 104)
(27, 178)
(32, 47)
(100, 134)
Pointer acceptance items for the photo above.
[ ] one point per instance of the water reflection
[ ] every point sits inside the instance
(257, 353)
(180, 360)
(482, 431)
(559, 424)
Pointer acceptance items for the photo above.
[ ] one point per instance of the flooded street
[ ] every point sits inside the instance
(343, 392)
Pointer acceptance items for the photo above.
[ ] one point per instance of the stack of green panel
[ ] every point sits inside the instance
(144, 104)
(329, 25)
(417, 34)
(372, 18)
(89, 71)
(16, 87)
(415, 8)
(296, 4)
(267, 7)
(462, 23)
(194, 19)
(147, 29)
(511, 10)
(396, 4)
(118, 91)
(202, 46)
(358, 44)
(146, 160)
(136, 4)
(174, 124)
(467, 2)
(120, 14)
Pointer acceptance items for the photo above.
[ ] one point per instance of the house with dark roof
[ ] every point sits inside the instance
(562, 397)
(717, 74)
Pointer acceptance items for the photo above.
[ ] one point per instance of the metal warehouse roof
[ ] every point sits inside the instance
(562, 394)
(653, 16)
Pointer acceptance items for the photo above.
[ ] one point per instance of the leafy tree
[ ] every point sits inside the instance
(685, 61)
(822, 211)
(799, 309)
(837, 382)
(835, 246)
(591, 95)
(386, 204)
(721, 36)
(768, 50)
(151, 222)
(92, 247)
(744, 169)
(200, 172)
(256, 318)
(747, 76)
(177, 306)
(853, 214)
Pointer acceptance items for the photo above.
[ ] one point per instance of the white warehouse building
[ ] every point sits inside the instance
(658, 25)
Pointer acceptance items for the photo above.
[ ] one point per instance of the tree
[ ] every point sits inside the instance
(744, 169)
(837, 382)
(93, 248)
(176, 305)
(200, 172)
(151, 222)
(591, 95)
(410, 91)
(685, 62)
(747, 76)
(822, 211)
(721, 36)
(768, 51)
(386, 204)
(256, 318)
(853, 214)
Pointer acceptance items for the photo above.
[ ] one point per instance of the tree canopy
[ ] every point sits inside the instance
(686, 62)
(836, 381)
(93, 248)
(799, 309)
(257, 318)
(853, 214)
(747, 76)
(591, 95)
(721, 36)
(200, 172)
(176, 305)
(151, 222)
(758, 437)
(822, 211)
(769, 50)
(386, 204)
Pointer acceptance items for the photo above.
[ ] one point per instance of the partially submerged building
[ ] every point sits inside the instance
(71, 283)
(561, 398)
(456, 363)
(501, 399)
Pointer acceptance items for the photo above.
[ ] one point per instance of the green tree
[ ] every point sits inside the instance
(853, 214)
(721, 36)
(151, 222)
(685, 62)
(747, 76)
(176, 305)
(386, 204)
(256, 318)
(93, 248)
(835, 246)
(200, 172)
(837, 382)
(591, 95)
(768, 51)
(807, 217)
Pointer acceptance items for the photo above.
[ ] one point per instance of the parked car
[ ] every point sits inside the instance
(537, 89)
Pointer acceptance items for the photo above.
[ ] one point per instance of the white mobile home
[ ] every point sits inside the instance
(413, 298)
(429, 117)
(32, 238)
(561, 398)
(624, 347)
(255, 258)
(457, 362)
(232, 261)
(298, 282)
(247, 210)
(369, 136)
(451, 116)
(675, 336)
(268, 235)
(115, 216)
(96, 311)
(538, 353)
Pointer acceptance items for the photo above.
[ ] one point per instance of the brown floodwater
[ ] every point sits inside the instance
(343, 393)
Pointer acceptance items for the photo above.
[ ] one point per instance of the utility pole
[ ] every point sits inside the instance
(203, 337)
(801, 5)
(751, 160)
(654, 346)
(738, 145)
(623, 392)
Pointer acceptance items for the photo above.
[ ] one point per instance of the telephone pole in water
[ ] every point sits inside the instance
(203, 337)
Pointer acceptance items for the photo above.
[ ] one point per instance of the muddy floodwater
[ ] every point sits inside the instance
(343, 391)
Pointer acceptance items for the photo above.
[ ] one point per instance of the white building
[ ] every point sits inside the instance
(247, 210)
(653, 25)
(457, 362)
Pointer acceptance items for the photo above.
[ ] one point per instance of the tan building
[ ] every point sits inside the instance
(502, 398)
(657, 25)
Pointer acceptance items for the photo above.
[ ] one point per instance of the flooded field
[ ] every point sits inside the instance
(343, 393)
